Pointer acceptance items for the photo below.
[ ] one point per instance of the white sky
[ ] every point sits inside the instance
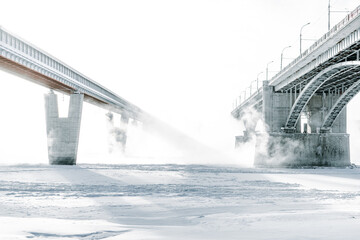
(183, 61)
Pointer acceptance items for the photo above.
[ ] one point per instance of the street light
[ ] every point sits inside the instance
(249, 90)
(329, 16)
(257, 80)
(282, 56)
(244, 94)
(251, 87)
(329, 13)
(301, 35)
(267, 69)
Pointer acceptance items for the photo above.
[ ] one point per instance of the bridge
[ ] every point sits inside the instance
(303, 107)
(28, 61)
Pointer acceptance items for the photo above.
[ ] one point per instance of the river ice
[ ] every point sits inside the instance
(178, 202)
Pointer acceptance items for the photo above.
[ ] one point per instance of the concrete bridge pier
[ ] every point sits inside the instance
(249, 120)
(124, 122)
(276, 108)
(292, 147)
(63, 133)
(118, 135)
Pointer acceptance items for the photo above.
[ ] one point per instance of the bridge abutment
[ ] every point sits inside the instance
(63, 133)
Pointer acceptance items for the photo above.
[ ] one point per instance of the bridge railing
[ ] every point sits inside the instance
(351, 16)
(18, 50)
(246, 97)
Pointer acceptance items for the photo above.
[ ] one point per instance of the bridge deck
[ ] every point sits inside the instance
(23, 59)
(337, 44)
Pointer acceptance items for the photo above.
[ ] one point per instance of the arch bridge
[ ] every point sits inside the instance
(304, 105)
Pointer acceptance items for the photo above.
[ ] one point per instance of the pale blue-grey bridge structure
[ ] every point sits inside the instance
(28, 61)
(303, 107)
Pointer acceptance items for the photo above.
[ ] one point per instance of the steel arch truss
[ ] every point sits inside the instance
(321, 78)
(341, 102)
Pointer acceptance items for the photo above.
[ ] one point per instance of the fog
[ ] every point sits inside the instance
(184, 62)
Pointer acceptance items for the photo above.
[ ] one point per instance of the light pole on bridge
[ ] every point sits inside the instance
(257, 80)
(267, 70)
(251, 87)
(301, 35)
(329, 13)
(282, 56)
(329, 16)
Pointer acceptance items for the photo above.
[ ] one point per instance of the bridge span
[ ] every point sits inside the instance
(304, 105)
(28, 61)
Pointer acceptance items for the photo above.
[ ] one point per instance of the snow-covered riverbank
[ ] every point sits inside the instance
(178, 202)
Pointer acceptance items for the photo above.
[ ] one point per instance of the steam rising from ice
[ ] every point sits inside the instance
(154, 141)
(117, 136)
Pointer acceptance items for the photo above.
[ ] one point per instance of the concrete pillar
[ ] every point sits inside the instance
(63, 133)
(267, 107)
(275, 108)
(318, 107)
(124, 122)
(315, 112)
(339, 125)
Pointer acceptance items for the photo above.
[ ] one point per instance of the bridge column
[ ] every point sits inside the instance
(124, 122)
(316, 110)
(318, 107)
(275, 108)
(118, 135)
(63, 133)
(339, 125)
(267, 107)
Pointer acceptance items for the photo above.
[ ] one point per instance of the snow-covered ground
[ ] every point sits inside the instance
(178, 202)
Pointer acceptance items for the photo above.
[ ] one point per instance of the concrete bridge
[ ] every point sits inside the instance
(28, 61)
(303, 106)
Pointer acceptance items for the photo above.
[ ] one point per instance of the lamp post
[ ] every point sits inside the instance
(301, 35)
(282, 56)
(251, 87)
(257, 80)
(267, 70)
(329, 16)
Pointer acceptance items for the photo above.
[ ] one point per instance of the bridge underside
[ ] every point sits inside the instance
(326, 85)
(17, 69)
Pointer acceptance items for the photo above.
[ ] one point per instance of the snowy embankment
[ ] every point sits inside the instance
(178, 202)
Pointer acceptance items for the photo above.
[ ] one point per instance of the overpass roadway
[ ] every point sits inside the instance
(21, 58)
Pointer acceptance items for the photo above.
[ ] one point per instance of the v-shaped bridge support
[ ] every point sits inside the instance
(63, 133)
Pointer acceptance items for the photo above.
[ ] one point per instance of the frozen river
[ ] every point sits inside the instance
(178, 202)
